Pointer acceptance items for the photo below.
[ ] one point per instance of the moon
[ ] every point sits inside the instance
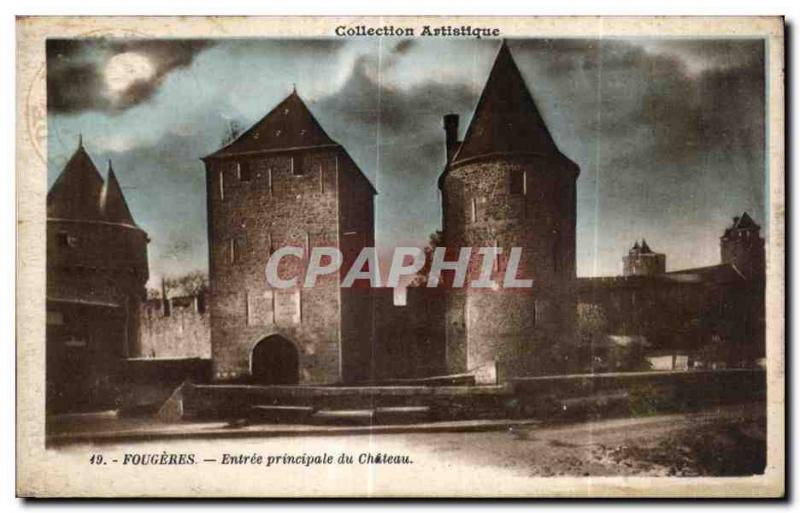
(123, 69)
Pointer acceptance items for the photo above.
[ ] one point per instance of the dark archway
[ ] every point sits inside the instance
(275, 362)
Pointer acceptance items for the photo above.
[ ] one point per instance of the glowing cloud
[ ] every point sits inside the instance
(125, 69)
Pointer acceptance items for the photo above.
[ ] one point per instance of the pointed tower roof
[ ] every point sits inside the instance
(745, 223)
(506, 119)
(636, 246)
(76, 192)
(112, 202)
(645, 247)
(290, 125)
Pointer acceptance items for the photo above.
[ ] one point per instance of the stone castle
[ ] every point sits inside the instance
(285, 182)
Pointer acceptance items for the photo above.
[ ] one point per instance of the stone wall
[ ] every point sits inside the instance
(181, 330)
(97, 263)
(356, 231)
(409, 338)
(142, 385)
(526, 202)
(682, 314)
(96, 274)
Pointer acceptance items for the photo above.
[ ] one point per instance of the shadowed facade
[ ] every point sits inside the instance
(96, 274)
(715, 314)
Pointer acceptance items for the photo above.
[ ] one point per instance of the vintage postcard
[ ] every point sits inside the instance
(400, 257)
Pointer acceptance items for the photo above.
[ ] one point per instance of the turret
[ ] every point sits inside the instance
(96, 274)
(742, 246)
(643, 261)
(508, 185)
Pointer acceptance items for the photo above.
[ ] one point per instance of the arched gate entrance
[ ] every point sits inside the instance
(275, 362)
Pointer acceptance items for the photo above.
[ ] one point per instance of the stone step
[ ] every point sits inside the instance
(281, 413)
(402, 414)
(344, 416)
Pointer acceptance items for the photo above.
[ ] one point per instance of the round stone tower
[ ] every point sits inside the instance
(96, 274)
(507, 185)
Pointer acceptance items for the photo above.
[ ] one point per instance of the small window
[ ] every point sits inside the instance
(244, 172)
(55, 318)
(543, 312)
(297, 167)
(329, 175)
(516, 182)
(65, 240)
(474, 210)
(74, 342)
(232, 251)
(556, 256)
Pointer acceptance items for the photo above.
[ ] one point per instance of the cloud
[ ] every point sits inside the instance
(298, 48)
(76, 71)
(366, 100)
(394, 131)
(403, 46)
(669, 136)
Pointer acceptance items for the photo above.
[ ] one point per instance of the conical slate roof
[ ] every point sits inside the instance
(80, 193)
(76, 192)
(289, 125)
(506, 119)
(745, 223)
(112, 202)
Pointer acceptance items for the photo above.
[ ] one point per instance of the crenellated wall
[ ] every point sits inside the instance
(179, 329)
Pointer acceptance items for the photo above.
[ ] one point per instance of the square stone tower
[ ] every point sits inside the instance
(743, 246)
(285, 182)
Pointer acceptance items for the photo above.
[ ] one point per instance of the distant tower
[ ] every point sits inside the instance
(508, 185)
(96, 274)
(285, 182)
(642, 261)
(742, 246)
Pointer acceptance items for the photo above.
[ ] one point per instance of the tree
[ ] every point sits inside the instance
(592, 330)
(716, 350)
(434, 241)
(592, 324)
(189, 284)
(232, 132)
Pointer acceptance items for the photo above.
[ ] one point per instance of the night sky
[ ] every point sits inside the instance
(669, 134)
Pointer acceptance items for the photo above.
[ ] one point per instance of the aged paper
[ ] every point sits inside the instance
(400, 257)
